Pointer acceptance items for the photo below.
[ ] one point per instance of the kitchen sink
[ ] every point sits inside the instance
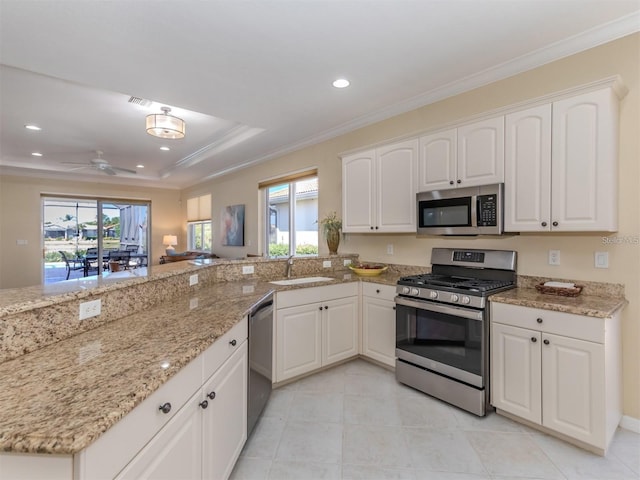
(298, 281)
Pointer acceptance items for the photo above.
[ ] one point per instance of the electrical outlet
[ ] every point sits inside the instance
(193, 279)
(601, 260)
(326, 263)
(347, 262)
(390, 249)
(22, 242)
(193, 303)
(554, 257)
(90, 309)
(247, 269)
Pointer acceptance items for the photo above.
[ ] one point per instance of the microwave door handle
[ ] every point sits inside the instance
(474, 211)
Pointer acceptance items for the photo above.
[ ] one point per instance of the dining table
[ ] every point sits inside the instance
(91, 258)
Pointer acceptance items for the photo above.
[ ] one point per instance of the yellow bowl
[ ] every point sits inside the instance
(372, 271)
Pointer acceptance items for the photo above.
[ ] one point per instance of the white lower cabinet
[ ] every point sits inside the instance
(204, 439)
(315, 327)
(558, 370)
(379, 323)
(186, 440)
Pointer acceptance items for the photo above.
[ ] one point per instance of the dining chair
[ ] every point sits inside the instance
(71, 263)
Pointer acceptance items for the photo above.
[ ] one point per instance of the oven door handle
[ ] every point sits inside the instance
(436, 307)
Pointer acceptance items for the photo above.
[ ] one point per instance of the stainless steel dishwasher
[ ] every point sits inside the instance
(260, 359)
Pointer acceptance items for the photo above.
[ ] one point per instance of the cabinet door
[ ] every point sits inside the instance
(584, 167)
(573, 388)
(379, 330)
(299, 337)
(437, 161)
(396, 187)
(516, 371)
(225, 418)
(175, 452)
(527, 183)
(358, 200)
(481, 153)
(339, 330)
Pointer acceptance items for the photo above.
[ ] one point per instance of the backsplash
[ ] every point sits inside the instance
(34, 317)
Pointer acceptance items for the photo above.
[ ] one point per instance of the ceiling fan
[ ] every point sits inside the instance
(99, 164)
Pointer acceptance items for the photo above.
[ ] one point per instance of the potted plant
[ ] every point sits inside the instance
(331, 226)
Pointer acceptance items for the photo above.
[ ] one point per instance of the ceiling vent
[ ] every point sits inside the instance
(140, 101)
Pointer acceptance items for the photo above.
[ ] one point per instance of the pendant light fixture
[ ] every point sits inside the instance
(164, 125)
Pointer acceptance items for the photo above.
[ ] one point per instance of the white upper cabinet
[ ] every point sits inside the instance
(561, 165)
(379, 189)
(437, 161)
(527, 186)
(466, 156)
(358, 194)
(584, 162)
(481, 153)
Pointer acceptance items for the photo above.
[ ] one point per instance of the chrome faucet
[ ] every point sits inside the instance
(287, 272)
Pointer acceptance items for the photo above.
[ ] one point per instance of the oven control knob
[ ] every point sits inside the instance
(433, 294)
(454, 297)
(406, 290)
(415, 291)
(465, 300)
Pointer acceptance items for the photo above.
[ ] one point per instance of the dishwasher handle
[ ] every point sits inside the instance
(262, 306)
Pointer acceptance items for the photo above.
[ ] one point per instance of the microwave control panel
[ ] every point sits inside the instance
(487, 210)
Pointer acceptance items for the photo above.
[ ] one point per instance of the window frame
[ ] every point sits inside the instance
(291, 182)
(190, 235)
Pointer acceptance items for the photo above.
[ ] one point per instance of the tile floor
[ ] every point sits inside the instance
(356, 422)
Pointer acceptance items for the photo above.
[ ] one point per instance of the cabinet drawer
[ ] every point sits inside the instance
(377, 290)
(223, 348)
(566, 324)
(303, 296)
(112, 451)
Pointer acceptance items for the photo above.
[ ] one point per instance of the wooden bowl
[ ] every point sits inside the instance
(368, 269)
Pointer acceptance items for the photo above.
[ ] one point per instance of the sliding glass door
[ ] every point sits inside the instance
(79, 233)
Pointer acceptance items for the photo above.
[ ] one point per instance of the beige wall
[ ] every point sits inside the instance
(21, 219)
(621, 57)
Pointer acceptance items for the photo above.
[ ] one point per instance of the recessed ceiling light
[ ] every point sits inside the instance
(36, 154)
(166, 149)
(139, 166)
(341, 83)
(32, 127)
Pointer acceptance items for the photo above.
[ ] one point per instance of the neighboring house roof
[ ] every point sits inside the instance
(305, 189)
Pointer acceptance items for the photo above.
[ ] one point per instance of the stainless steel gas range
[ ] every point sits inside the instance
(442, 324)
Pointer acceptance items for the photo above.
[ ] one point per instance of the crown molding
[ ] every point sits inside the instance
(586, 40)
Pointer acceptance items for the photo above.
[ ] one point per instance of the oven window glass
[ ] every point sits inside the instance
(444, 338)
(453, 212)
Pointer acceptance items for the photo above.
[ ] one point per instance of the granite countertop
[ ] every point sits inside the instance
(589, 305)
(62, 397)
(53, 399)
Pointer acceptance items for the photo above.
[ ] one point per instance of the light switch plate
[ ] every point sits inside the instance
(347, 262)
(554, 257)
(193, 303)
(193, 279)
(390, 249)
(326, 263)
(601, 260)
(247, 269)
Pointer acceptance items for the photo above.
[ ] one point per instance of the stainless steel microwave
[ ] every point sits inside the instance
(461, 211)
